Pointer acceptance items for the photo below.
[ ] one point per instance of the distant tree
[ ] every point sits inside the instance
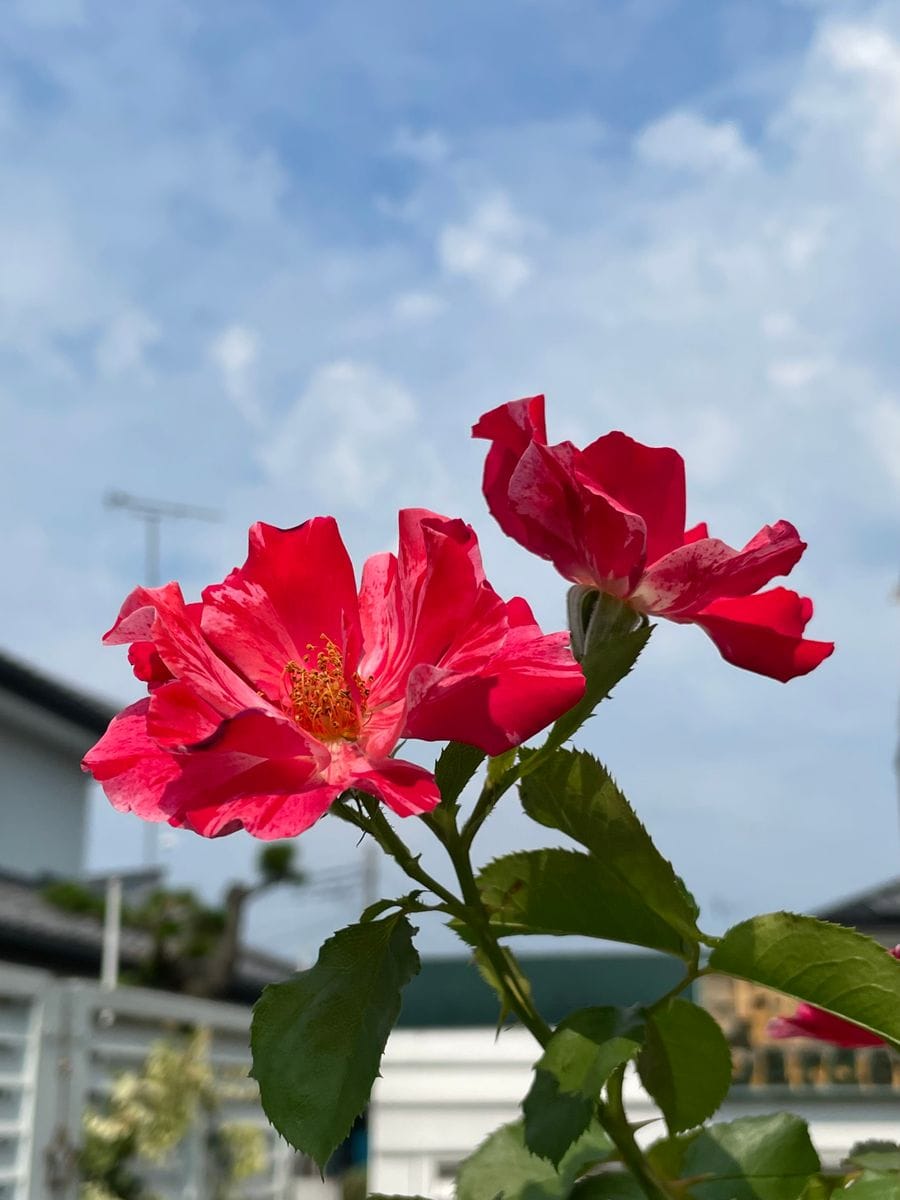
(194, 946)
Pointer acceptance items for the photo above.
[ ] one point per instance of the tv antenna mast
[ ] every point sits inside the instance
(153, 513)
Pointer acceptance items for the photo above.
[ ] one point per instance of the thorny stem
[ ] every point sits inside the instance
(377, 825)
(492, 792)
(614, 1119)
(502, 962)
(471, 912)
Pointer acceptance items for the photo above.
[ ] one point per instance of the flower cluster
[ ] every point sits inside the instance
(287, 685)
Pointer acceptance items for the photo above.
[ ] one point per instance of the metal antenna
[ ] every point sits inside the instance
(153, 513)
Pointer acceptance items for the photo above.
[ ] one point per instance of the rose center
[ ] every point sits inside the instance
(323, 699)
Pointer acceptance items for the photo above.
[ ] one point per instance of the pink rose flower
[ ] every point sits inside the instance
(612, 517)
(284, 686)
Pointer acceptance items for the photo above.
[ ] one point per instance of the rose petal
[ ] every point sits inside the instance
(646, 480)
(130, 767)
(763, 633)
(692, 577)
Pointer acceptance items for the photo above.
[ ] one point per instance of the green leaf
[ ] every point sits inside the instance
(502, 1168)
(871, 1186)
(565, 892)
(317, 1039)
(606, 663)
(456, 765)
(404, 903)
(611, 1186)
(876, 1156)
(836, 969)
(678, 1038)
(752, 1158)
(821, 1187)
(666, 1156)
(579, 1058)
(574, 793)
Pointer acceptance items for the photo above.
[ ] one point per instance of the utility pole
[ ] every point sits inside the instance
(152, 513)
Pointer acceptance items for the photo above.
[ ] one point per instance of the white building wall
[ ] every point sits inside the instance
(43, 792)
(442, 1091)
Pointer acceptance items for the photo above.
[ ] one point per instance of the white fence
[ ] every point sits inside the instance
(62, 1043)
(441, 1092)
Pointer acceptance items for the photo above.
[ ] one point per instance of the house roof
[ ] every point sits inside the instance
(876, 908)
(36, 933)
(27, 683)
(448, 992)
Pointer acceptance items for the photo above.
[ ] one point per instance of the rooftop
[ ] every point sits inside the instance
(36, 933)
(28, 683)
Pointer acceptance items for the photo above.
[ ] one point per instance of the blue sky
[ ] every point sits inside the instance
(275, 259)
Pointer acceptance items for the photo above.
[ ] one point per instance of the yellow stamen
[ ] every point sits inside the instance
(321, 697)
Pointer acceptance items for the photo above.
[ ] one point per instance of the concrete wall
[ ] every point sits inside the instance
(43, 792)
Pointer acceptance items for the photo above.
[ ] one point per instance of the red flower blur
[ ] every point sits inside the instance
(811, 1022)
(283, 687)
(612, 517)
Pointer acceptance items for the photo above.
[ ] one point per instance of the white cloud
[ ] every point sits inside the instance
(686, 140)
(235, 351)
(124, 342)
(347, 433)
(794, 373)
(881, 426)
(417, 306)
(487, 247)
(428, 148)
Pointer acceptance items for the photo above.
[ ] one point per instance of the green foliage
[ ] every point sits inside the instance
(317, 1039)
(871, 1185)
(581, 1055)
(836, 969)
(277, 863)
(74, 897)
(612, 1186)
(607, 655)
(685, 1064)
(565, 892)
(666, 1157)
(574, 793)
(455, 767)
(502, 1168)
(752, 1158)
(875, 1156)
(150, 1112)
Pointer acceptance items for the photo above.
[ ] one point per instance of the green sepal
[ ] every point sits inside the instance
(604, 663)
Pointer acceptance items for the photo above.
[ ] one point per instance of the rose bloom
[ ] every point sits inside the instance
(811, 1022)
(284, 686)
(612, 517)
